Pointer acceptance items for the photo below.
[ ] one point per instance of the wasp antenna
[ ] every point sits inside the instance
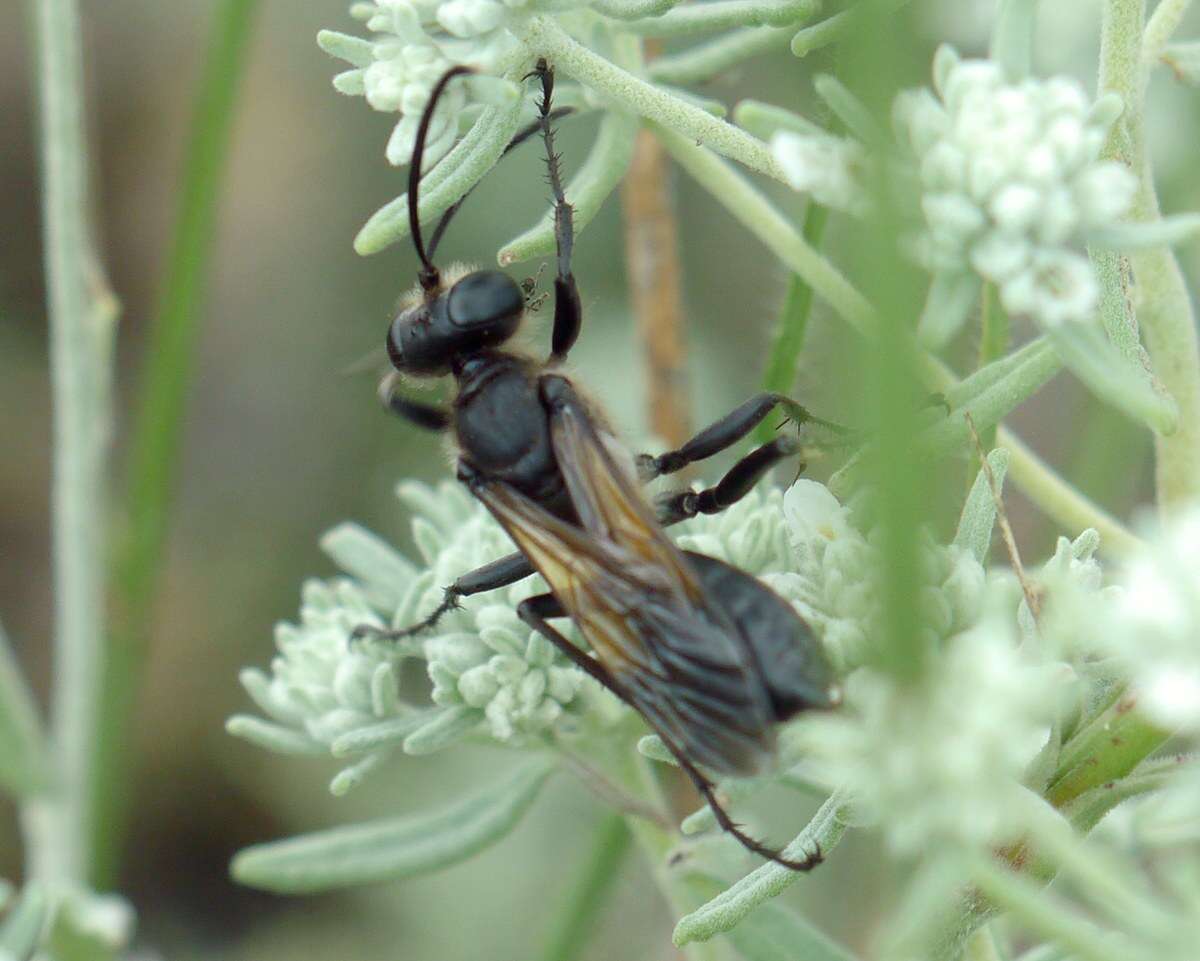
(429, 275)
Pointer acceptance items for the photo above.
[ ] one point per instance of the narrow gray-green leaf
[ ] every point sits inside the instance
(1184, 59)
(380, 567)
(1112, 377)
(731, 906)
(272, 736)
(848, 109)
(652, 746)
(764, 120)
(1166, 232)
(456, 173)
(21, 748)
(348, 778)
(22, 928)
(949, 303)
(449, 726)
(979, 512)
(1012, 37)
(988, 395)
(353, 50)
(384, 734)
(773, 932)
(394, 848)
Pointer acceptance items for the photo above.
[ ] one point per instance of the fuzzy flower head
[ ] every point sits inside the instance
(834, 577)
(942, 762)
(827, 167)
(489, 672)
(414, 42)
(1157, 622)
(1011, 184)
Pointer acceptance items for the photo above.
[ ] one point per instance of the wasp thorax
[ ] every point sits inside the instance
(481, 310)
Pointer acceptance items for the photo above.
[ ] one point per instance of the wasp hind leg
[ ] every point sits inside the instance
(536, 611)
(499, 573)
(708, 791)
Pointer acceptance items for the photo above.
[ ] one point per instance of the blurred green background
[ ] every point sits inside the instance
(281, 444)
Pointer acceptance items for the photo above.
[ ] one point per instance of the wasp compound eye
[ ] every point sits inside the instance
(485, 299)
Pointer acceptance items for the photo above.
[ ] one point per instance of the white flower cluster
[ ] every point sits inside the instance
(1011, 183)
(833, 577)
(1157, 624)
(414, 43)
(488, 669)
(942, 761)
(324, 693)
(827, 167)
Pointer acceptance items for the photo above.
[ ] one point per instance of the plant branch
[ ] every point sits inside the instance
(584, 901)
(83, 315)
(1165, 311)
(656, 289)
(631, 92)
(159, 420)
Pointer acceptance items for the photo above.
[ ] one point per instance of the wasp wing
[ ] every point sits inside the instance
(607, 501)
(685, 674)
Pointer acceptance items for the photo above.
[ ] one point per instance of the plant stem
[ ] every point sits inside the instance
(83, 315)
(783, 362)
(1105, 751)
(749, 207)
(761, 217)
(633, 772)
(1062, 502)
(1165, 311)
(586, 898)
(1044, 913)
(647, 100)
(655, 288)
(159, 421)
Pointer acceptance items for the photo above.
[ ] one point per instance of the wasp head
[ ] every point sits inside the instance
(481, 310)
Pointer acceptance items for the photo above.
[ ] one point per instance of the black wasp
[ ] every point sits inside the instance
(709, 656)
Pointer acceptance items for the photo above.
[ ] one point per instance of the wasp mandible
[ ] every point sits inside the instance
(711, 658)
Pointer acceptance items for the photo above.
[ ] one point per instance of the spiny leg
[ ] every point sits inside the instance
(727, 431)
(568, 311)
(521, 136)
(727, 824)
(535, 611)
(499, 573)
(676, 506)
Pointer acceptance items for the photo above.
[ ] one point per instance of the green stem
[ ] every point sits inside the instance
(83, 315)
(634, 773)
(584, 901)
(750, 207)
(1063, 503)
(162, 399)
(1044, 913)
(994, 338)
(758, 215)
(982, 947)
(592, 70)
(783, 361)
(1165, 311)
(22, 741)
(1108, 749)
(1159, 28)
